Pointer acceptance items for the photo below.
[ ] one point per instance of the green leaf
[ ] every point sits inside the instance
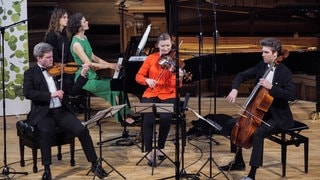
(17, 6)
(15, 17)
(19, 79)
(19, 53)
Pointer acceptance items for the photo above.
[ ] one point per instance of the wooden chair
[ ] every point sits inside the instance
(292, 137)
(28, 137)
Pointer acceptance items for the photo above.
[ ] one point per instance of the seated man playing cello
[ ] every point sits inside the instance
(277, 81)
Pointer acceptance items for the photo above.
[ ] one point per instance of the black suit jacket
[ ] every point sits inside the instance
(36, 89)
(283, 90)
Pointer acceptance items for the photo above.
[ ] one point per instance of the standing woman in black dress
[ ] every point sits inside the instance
(59, 37)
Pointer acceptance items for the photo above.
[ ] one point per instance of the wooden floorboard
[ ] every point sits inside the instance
(124, 158)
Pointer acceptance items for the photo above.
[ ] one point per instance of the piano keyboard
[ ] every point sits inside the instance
(116, 73)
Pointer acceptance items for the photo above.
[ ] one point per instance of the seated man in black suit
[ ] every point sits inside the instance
(50, 109)
(278, 82)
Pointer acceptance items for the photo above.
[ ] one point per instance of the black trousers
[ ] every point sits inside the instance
(68, 122)
(257, 139)
(164, 124)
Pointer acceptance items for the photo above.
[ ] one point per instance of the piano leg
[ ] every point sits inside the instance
(315, 115)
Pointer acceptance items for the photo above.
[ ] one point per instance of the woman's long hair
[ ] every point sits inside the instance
(54, 22)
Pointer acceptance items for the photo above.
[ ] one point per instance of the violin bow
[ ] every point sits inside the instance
(62, 69)
(244, 109)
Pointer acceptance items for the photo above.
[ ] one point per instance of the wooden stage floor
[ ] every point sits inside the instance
(124, 158)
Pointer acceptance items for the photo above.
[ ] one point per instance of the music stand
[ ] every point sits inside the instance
(154, 108)
(96, 120)
(124, 134)
(210, 160)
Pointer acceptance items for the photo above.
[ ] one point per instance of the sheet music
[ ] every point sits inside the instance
(209, 121)
(116, 73)
(105, 113)
(148, 107)
(143, 41)
(137, 58)
(115, 109)
(98, 116)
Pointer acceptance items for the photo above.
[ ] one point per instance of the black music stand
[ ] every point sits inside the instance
(96, 120)
(154, 108)
(124, 139)
(210, 159)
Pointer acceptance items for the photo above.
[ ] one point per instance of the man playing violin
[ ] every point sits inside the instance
(50, 109)
(278, 117)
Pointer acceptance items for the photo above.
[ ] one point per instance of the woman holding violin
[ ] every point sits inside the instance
(59, 37)
(160, 80)
(278, 117)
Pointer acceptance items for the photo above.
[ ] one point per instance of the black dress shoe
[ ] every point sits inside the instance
(161, 157)
(234, 167)
(99, 171)
(46, 175)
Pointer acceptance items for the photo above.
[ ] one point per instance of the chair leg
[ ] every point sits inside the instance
(59, 155)
(22, 162)
(34, 156)
(72, 147)
(306, 155)
(142, 138)
(283, 154)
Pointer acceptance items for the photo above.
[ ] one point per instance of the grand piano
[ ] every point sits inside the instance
(225, 39)
(220, 40)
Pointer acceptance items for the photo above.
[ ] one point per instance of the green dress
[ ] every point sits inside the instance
(96, 85)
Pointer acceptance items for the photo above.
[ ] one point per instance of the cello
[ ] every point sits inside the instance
(255, 106)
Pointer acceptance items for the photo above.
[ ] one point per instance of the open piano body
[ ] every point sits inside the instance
(220, 40)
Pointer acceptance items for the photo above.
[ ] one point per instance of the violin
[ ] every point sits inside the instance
(58, 68)
(168, 61)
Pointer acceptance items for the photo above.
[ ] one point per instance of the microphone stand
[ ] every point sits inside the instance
(210, 159)
(174, 18)
(125, 138)
(122, 9)
(200, 40)
(6, 169)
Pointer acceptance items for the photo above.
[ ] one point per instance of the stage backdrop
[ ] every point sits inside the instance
(14, 29)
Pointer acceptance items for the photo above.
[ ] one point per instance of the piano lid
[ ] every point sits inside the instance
(251, 18)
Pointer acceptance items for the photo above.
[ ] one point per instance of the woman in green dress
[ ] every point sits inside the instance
(82, 53)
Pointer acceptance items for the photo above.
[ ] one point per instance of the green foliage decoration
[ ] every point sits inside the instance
(16, 50)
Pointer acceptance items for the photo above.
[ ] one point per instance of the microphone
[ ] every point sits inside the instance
(216, 36)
